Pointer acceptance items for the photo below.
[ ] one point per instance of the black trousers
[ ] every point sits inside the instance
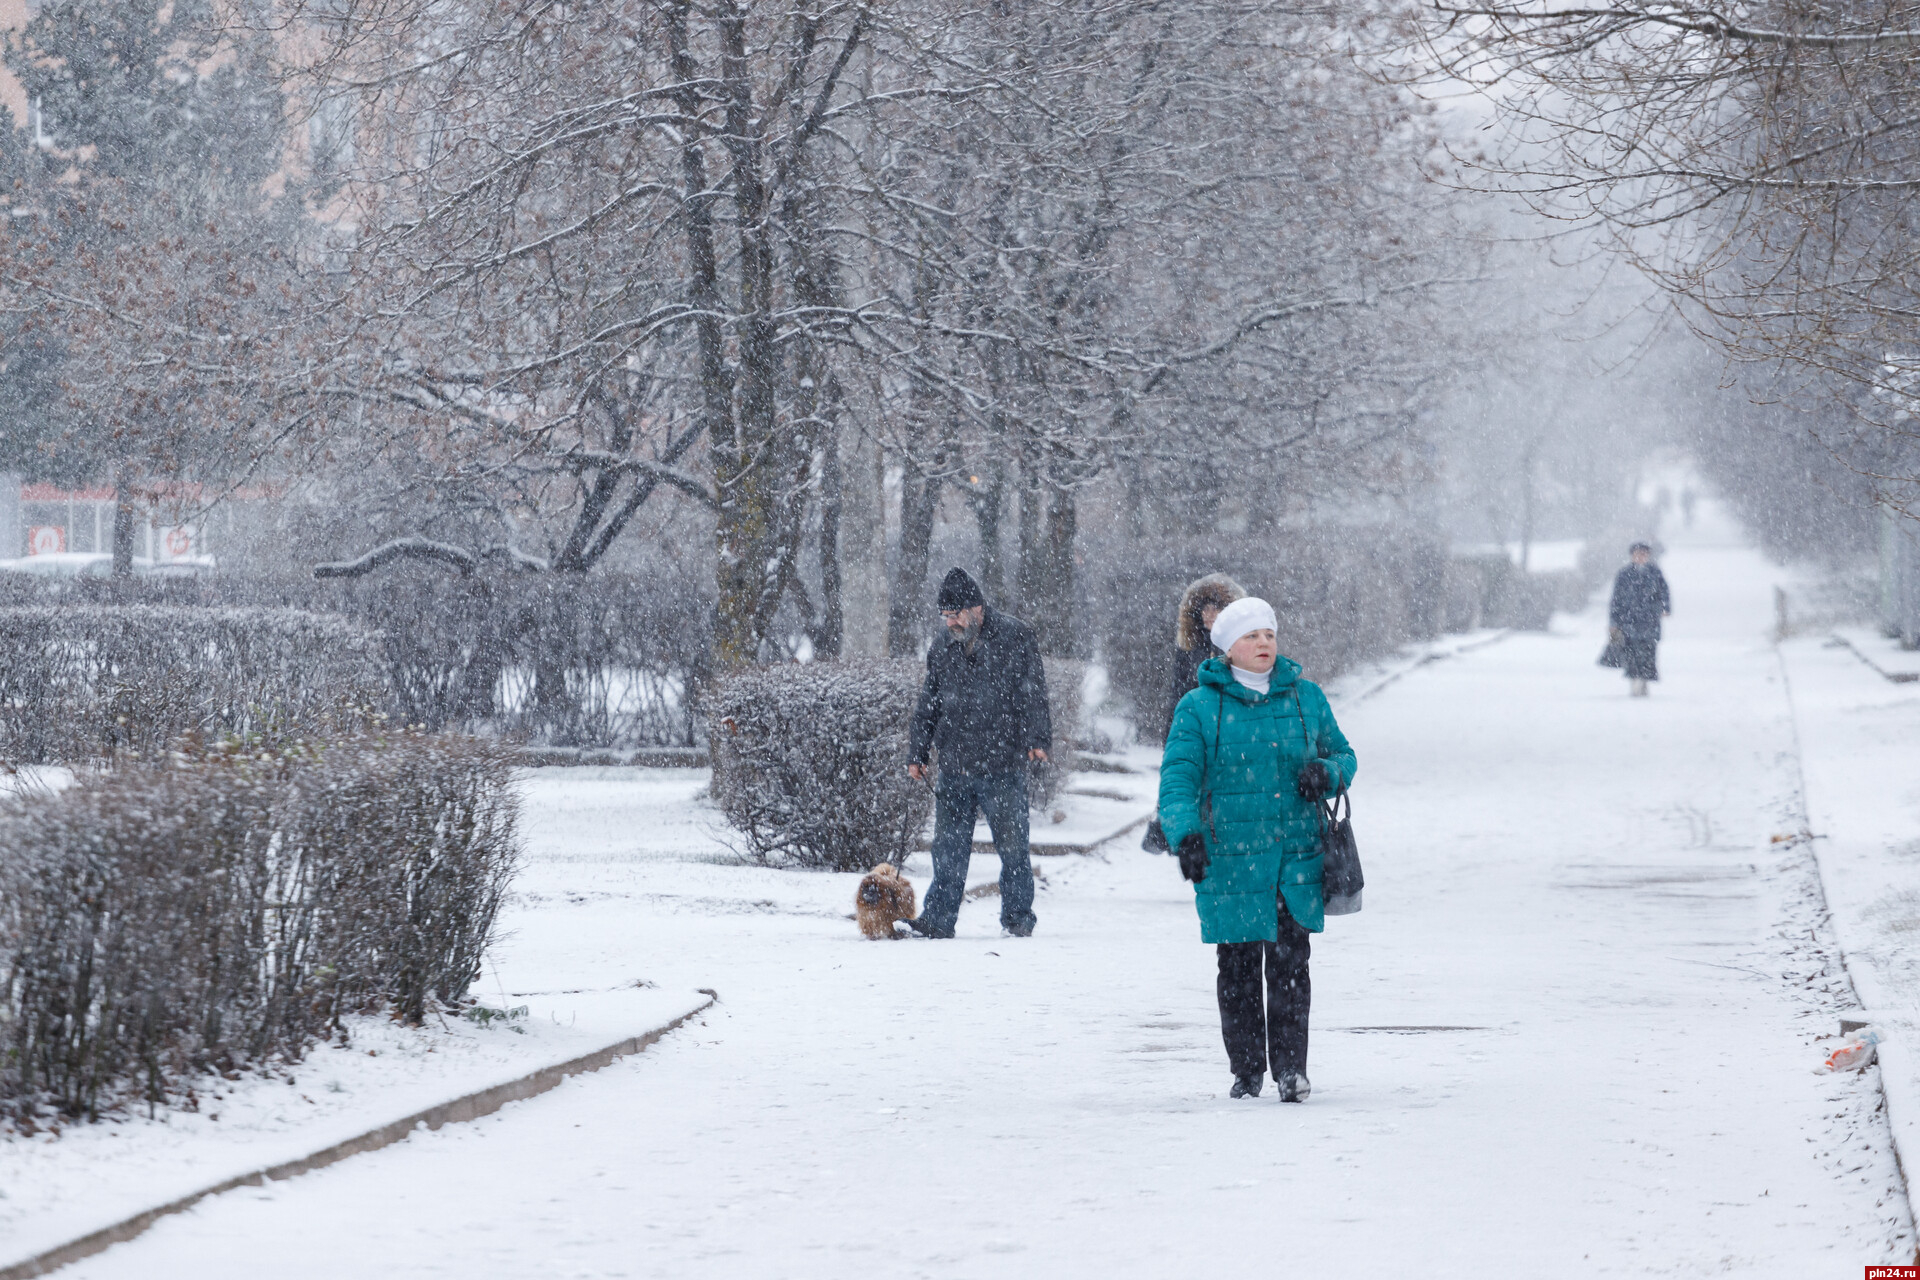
(1272, 1031)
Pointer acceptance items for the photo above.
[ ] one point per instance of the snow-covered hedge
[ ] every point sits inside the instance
(83, 682)
(810, 762)
(595, 660)
(223, 908)
(575, 660)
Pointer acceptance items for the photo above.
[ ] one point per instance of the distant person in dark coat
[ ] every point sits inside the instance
(984, 706)
(1200, 604)
(1640, 600)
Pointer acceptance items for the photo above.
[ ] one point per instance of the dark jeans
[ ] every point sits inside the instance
(1276, 1033)
(1003, 798)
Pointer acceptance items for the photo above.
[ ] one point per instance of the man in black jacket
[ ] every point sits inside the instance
(984, 706)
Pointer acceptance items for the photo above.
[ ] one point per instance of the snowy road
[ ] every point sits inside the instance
(1571, 893)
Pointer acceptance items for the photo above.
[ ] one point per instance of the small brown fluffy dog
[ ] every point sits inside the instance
(884, 896)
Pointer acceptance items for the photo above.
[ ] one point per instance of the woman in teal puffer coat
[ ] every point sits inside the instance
(1251, 753)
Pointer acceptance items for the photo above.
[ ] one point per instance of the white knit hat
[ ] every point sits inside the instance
(1249, 613)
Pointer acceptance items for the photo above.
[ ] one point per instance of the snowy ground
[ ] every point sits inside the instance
(1573, 1033)
(1860, 738)
(65, 1182)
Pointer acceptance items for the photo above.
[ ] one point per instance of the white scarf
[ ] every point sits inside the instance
(1258, 681)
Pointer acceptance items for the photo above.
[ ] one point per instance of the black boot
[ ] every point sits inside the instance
(1294, 1087)
(1246, 1086)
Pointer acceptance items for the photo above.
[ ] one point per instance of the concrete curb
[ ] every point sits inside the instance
(1893, 677)
(471, 1107)
(1890, 1067)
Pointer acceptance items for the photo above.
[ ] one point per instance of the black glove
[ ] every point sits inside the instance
(1193, 858)
(1314, 781)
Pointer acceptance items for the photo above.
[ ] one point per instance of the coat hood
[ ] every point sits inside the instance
(1217, 674)
(1215, 589)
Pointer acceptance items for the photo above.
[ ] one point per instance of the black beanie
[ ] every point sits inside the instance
(960, 591)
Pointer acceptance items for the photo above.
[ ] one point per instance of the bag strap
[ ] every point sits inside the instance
(1213, 753)
(1327, 809)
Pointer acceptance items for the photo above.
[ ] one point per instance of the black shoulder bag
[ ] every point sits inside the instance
(1340, 878)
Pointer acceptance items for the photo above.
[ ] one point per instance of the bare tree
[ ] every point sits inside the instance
(147, 259)
(1758, 162)
(588, 254)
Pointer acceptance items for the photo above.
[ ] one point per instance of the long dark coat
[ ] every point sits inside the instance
(1640, 599)
(986, 709)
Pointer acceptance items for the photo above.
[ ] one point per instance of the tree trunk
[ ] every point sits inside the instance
(1033, 519)
(716, 379)
(919, 496)
(1526, 505)
(750, 560)
(829, 636)
(124, 523)
(1054, 619)
(543, 623)
(989, 500)
(863, 546)
(1133, 494)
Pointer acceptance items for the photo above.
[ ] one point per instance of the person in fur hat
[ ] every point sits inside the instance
(1200, 604)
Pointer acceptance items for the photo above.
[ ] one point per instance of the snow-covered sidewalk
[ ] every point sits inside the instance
(1860, 744)
(1573, 1033)
(66, 1182)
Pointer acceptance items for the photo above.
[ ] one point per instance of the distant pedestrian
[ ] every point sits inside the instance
(1640, 600)
(1687, 499)
(1200, 604)
(1252, 752)
(984, 707)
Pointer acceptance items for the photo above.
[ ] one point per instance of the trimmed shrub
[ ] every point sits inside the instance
(605, 659)
(810, 762)
(219, 909)
(85, 682)
(596, 660)
(407, 842)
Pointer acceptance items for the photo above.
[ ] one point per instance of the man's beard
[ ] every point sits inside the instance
(965, 634)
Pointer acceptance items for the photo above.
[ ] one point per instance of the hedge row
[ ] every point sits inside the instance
(222, 908)
(85, 682)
